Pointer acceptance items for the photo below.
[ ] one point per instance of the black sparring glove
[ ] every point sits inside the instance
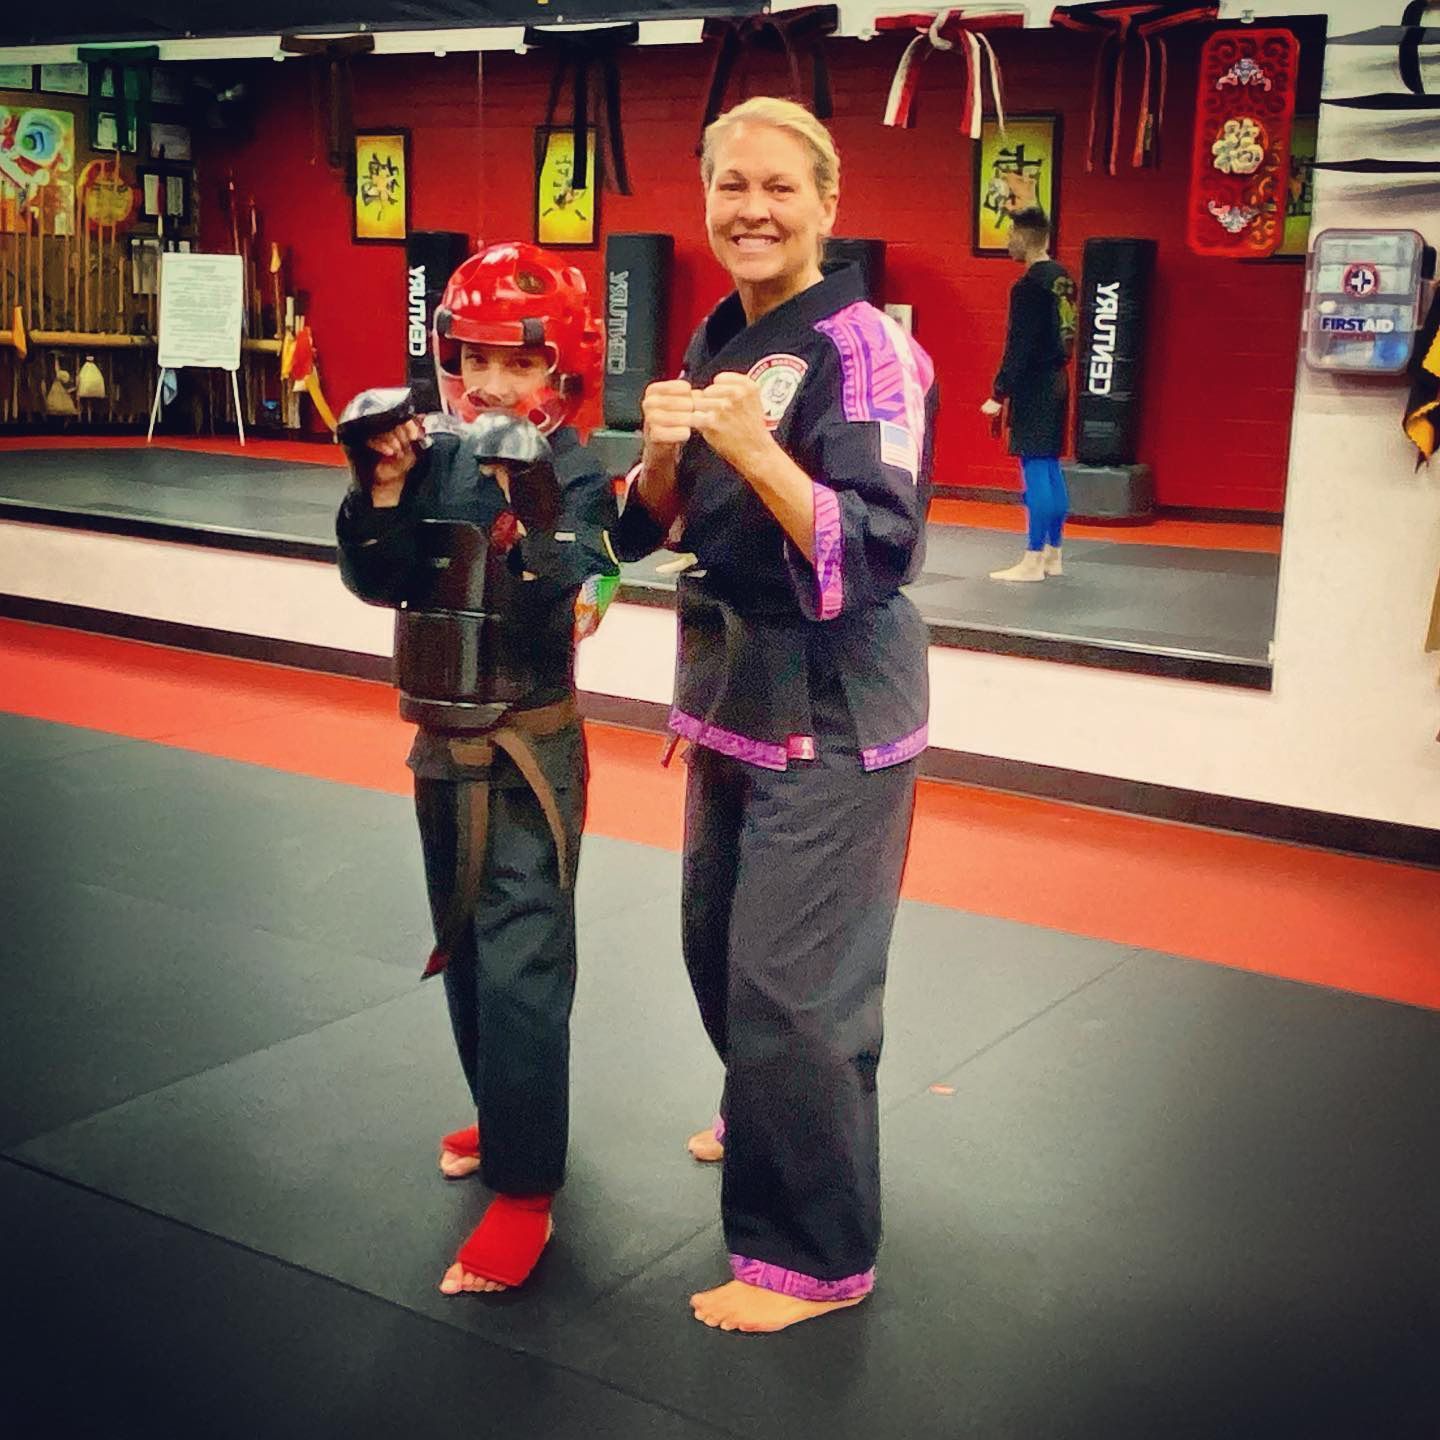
(504, 440)
(372, 413)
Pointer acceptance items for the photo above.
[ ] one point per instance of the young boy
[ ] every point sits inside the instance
(491, 544)
(1038, 344)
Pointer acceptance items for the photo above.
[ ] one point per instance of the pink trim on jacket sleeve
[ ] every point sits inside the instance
(829, 562)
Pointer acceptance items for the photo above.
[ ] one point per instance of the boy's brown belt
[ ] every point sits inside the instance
(472, 805)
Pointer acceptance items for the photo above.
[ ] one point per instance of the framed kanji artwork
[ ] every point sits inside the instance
(382, 186)
(565, 214)
(1028, 148)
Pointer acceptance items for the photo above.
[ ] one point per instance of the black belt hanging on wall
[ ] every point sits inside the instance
(1407, 37)
(576, 52)
(1116, 24)
(337, 53)
(792, 33)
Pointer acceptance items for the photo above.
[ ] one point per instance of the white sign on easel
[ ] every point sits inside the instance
(202, 304)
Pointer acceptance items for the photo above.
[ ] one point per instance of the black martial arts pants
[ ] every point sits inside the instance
(510, 982)
(791, 882)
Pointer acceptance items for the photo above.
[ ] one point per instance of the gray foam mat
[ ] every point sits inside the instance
(189, 1335)
(1186, 1202)
(1163, 1199)
(26, 743)
(281, 498)
(109, 995)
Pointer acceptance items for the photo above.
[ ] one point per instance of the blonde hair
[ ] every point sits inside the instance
(784, 115)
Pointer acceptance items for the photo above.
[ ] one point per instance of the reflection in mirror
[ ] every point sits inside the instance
(1157, 418)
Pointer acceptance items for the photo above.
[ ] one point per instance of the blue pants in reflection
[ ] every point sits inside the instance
(1046, 499)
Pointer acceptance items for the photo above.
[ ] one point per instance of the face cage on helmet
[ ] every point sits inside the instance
(547, 409)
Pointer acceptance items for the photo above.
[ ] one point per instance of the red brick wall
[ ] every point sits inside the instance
(1221, 358)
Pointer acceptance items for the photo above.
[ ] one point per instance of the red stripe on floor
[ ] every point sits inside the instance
(1307, 915)
(1184, 534)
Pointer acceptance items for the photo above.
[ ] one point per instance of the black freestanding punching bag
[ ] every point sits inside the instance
(1115, 300)
(637, 306)
(869, 255)
(431, 257)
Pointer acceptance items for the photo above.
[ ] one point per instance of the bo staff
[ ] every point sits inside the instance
(275, 285)
(67, 255)
(253, 300)
(82, 292)
(23, 259)
(107, 236)
(234, 216)
(40, 261)
(122, 264)
(119, 311)
(102, 251)
(40, 296)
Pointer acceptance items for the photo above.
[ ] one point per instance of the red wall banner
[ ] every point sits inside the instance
(1244, 108)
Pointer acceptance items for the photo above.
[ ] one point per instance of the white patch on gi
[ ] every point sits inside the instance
(778, 379)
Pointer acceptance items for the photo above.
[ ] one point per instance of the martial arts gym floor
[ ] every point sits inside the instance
(1161, 1110)
(1199, 600)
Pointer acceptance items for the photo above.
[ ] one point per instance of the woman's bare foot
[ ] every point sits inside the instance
(704, 1147)
(753, 1311)
(459, 1281)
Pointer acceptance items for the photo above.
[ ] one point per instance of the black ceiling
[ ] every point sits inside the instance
(81, 21)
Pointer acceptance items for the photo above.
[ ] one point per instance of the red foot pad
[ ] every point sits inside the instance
(508, 1241)
(463, 1143)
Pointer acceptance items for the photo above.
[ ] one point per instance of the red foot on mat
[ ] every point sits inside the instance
(462, 1143)
(509, 1240)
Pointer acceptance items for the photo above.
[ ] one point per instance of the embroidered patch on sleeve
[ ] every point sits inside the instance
(778, 378)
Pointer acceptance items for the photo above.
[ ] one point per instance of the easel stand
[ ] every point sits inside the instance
(234, 390)
(202, 308)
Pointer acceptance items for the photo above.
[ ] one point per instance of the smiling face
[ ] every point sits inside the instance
(503, 377)
(765, 218)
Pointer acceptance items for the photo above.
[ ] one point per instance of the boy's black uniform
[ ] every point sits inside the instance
(505, 803)
(1039, 339)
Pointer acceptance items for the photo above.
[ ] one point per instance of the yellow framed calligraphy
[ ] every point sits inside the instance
(382, 186)
(565, 214)
(1030, 149)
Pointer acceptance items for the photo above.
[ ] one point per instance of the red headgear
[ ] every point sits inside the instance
(516, 294)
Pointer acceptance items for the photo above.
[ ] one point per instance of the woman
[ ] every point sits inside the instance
(793, 456)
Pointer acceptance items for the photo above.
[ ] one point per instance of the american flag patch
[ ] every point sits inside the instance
(897, 448)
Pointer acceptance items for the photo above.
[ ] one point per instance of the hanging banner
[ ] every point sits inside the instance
(1240, 169)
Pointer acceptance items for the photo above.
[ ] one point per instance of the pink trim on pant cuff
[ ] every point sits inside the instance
(800, 1287)
(719, 1128)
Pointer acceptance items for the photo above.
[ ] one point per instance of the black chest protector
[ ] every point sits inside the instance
(475, 638)
(464, 653)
